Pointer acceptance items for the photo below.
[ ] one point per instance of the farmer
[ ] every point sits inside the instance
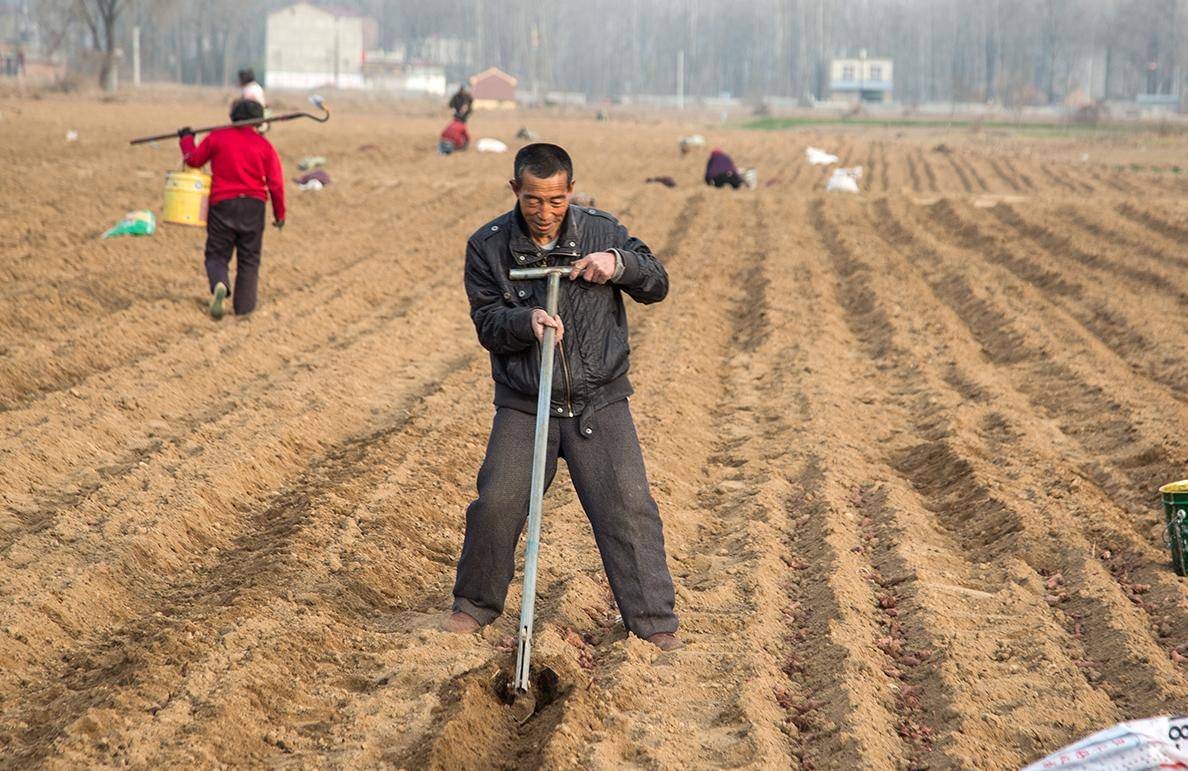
(250, 89)
(462, 103)
(592, 427)
(454, 137)
(721, 171)
(246, 170)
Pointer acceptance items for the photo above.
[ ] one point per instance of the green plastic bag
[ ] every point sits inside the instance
(134, 223)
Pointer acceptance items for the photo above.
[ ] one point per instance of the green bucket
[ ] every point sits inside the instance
(1175, 513)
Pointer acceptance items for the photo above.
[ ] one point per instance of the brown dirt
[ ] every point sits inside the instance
(906, 445)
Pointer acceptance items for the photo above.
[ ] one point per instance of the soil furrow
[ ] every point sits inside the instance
(1100, 424)
(1095, 312)
(1026, 180)
(1176, 233)
(49, 502)
(1092, 616)
(966, 161)
(252, 565)
(1057, 245)
(40, 371)
(120, 547)
(1119, 238)
(999, 172)
(929, 174)
(883, 165)
(912, 173)
(959, 171)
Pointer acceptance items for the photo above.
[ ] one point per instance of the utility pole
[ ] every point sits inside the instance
(537, 90)
(136, 55)
(680, 79)
(861, 77)
(479, 33)
(818, 68)
(1180, 53)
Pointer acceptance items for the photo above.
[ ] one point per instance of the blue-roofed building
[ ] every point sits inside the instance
(860, 79)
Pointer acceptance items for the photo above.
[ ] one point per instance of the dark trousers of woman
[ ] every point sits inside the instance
(236, 225)
(731, 178)
(607, 470)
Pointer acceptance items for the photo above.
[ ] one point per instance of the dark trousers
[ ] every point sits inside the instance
(731, 178)
(445, 147)
(236, 225)
(608, 474)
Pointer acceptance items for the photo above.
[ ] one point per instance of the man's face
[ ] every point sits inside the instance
(544, 203)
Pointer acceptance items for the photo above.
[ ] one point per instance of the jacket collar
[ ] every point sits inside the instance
(528, 252)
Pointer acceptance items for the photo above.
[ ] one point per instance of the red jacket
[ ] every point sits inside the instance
(242, 162)
(456, 133)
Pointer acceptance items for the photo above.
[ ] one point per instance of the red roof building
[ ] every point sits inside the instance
(493, 88)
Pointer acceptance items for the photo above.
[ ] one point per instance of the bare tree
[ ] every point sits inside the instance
(101, 16)
(55, 19)
(1012, 52)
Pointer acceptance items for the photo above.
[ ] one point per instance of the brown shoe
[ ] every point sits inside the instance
(666, 641)
(460, 623)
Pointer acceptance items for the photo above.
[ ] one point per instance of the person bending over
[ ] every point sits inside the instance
(454, 138)
(720, 171)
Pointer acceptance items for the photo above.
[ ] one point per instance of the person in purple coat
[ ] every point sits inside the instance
(721, 171)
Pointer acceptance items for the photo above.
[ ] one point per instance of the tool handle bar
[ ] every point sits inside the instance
(539, 458)
(236, 124)
(519, 274)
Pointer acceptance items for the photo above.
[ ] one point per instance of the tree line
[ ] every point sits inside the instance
(1008, 52)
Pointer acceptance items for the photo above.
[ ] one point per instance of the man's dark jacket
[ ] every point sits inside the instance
(590, 370)
(460, 103)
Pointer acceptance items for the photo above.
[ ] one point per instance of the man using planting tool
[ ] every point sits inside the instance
(591, 425)
(246, 171)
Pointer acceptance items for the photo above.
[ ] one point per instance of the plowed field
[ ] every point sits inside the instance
(906, 445)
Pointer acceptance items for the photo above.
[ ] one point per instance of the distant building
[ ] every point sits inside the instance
(309, 47)
(860, 79)
(424, 78)
(389, 71)
(493, 89)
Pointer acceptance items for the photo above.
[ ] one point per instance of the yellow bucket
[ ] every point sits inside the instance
(187, 197)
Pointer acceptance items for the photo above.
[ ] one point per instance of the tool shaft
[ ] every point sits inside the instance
(539, 458)
(236, 124)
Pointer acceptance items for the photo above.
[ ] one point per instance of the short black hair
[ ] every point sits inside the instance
(246, 109)
(542, 160)
(246, 75)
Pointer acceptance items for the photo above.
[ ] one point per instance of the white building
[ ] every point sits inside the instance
(390, 71)
(860, 79)
(310, 47)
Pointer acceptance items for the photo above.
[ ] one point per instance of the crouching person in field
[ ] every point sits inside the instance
(720, 171)
(246, 171)
(454, 138)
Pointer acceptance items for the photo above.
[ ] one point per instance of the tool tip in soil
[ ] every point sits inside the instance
(544, 690)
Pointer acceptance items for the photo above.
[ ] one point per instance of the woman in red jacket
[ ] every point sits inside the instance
(246, 170)
(454, 137)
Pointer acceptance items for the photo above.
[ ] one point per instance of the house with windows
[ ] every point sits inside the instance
(860, 79)
(311, 47)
